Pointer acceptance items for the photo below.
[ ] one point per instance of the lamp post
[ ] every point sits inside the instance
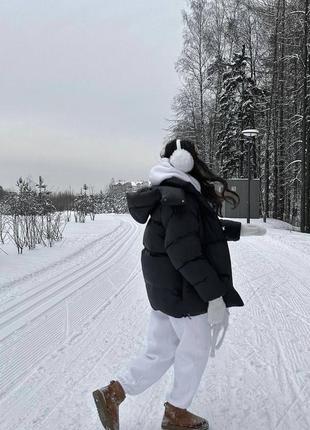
(251, 133)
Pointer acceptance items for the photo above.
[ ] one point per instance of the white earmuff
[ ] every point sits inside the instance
(181, 159)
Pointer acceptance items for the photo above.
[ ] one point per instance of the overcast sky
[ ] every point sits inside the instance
(86, 87)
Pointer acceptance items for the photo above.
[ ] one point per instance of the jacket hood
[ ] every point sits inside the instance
(168, 187)
(171, 191)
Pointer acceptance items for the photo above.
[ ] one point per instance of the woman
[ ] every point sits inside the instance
(187, 271)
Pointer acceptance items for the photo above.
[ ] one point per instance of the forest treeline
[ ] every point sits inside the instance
(245, 64)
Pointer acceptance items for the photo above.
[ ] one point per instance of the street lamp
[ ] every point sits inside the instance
(251, 133)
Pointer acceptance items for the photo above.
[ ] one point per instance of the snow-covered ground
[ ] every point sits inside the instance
(72, 315)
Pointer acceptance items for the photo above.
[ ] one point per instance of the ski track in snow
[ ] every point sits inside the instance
(67, 328)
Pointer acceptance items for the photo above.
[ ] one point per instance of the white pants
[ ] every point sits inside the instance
(183, 342)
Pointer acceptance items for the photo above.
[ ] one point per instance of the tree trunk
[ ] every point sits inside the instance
(281, 189)
(304, 125)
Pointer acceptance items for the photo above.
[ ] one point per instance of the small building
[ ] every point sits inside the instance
(123, 186)
(240, 186)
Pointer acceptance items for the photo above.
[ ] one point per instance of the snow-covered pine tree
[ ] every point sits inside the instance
(237, 107)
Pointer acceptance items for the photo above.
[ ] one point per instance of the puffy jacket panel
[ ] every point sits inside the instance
(185, 257)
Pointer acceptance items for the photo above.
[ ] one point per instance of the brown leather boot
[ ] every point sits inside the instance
(107, 401)
(181, 419)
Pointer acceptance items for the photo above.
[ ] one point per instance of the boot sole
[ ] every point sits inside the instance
(103, 411)
(174, 427)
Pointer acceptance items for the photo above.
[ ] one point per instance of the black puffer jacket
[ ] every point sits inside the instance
(185, 260)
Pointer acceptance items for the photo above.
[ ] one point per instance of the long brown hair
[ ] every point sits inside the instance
(206, 178)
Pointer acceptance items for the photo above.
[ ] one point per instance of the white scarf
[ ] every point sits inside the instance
(164, 170)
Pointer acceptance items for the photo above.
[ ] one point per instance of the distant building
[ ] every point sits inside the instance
(123, 186)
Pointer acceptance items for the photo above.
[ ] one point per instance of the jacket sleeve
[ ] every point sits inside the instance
(231, 229)
(183, 245)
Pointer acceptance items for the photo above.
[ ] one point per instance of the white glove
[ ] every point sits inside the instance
(215, 331)
(252, 230)
(216, 311)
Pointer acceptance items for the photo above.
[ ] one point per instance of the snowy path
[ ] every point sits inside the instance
(68, 326)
